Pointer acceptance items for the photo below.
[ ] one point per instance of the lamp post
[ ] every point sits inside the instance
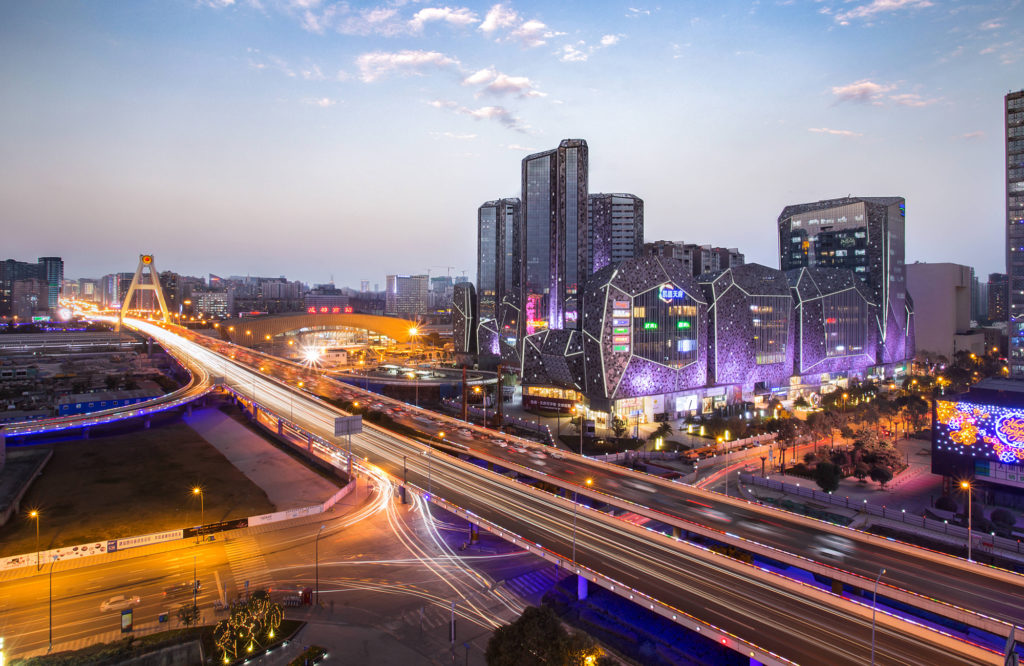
(52, 561)
(34, 514)
(575, 510)
(316, 562)
(413, 375)
(966, 485)
(874, 602)
(845, 396)
(202, 509)
(580, 413)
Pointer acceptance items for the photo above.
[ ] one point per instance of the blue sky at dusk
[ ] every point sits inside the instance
(317, 139)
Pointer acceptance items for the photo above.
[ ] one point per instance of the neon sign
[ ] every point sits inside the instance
(670, 292)
(650, 325)
(323, 309)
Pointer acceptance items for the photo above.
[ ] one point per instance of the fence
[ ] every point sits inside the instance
(939, 526)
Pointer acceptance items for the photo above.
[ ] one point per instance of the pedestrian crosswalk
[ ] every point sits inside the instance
(533, 584)
(248, 567)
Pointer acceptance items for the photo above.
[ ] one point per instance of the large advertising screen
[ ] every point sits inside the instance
(977, 430)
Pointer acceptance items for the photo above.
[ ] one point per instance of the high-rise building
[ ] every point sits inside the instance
(554, 235)
(364, 286)
(12, 271)
(864, 235)
(698, 259)
(615, 229)
(51, 271)
(497, 265)
(997, 295)
(1014, 114)
(406, 296)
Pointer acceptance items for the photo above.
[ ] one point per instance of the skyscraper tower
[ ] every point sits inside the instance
(615, 229)
(554, 235)
(497, 265)
(51, 271)
(862, 234)
(1014, 110)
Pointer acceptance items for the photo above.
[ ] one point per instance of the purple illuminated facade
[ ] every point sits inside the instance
(751, 327)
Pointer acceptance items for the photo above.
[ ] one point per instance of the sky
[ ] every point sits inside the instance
(342, 141)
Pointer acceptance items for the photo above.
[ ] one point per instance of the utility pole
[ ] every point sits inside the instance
(500, 396)
(465, 398)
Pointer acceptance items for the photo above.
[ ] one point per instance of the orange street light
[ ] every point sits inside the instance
(34, 514)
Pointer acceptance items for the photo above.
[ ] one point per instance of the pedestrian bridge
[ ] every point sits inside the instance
(260, 330)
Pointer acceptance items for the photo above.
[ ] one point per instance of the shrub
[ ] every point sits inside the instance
(946, 503)
(1003, 518)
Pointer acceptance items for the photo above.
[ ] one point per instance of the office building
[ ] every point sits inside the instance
(498, 254)
(554, 233)
(12, 271)
(864, 235)
(211, 303)
(464, 322)
(406, 296)
(698, 259)
(1014, 124)
(615, 229)
(997, 297)
(942, 306)
(29, 298)
(51, 271)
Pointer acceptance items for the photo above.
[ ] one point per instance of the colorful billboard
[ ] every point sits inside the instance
(978, 430)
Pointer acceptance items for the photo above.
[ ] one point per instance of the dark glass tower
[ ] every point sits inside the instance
(861, 234)
(51, 271)
(554, 235)
(497, 267)
(1014, 109)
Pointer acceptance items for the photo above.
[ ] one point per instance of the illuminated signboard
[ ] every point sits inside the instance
(323, 309)
(650, 325)
(683, 324)
(980, 431)
(623, 320)
(670, 293)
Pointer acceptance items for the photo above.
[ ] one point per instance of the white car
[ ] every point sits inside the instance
(119, 603)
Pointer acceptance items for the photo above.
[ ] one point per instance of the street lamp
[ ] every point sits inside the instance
(575, 510)
(34, 514)
(316, 558)
(580, 413)
(966, 485)
(52, 561)
(874, 602)
(202, 509)
(845, 396)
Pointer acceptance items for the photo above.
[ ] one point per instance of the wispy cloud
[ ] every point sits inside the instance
(322, 102)
(973, 136)
(835, 132)
(610, 40)
(496, 113)
(580, 52)
(497, 83)
(869, 10)
(863, 92)
(459, 17)
(912, 99)
(455, 135)
(377, 64)
(633, 12)
(533, 33)
(992, 24)
(516, 146)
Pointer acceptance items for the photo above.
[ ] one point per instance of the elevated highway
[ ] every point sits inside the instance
(771, 616)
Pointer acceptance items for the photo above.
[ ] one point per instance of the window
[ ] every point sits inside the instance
(663, 332)
(845, 316)
(770, 324)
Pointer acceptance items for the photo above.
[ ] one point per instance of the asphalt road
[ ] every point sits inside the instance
(796, 625)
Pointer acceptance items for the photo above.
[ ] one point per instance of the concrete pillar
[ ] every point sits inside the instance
(676, 532)
(3, 447)
(581, 588)
(280, 427)
(148, 422)
(188, 409)
(309, 442)
(85, 433)
(837, 586)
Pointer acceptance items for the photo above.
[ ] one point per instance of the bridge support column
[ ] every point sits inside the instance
(490, 466)
(676, 532)
(188, 409)
(148, 422)
(309, 442)
(85, 433)
(280, 427)
(581, 588)
(837, 586)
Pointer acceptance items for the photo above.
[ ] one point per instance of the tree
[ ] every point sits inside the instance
(861, 471)
(664, 429)
(538, 637)
(827, 476)
(946, 503)
(881, 475)
(111, 382)
(1003, 519)
(619, 427)
(188, 615)
(801, 402)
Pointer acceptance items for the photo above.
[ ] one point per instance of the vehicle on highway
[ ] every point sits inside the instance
(182, 589)
(119, 602)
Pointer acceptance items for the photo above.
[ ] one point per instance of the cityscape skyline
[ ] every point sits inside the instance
(215, 123)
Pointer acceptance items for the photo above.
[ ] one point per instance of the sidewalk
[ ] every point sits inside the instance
(347, 644)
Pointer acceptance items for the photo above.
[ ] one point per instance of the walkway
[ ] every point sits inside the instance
(288, 483)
